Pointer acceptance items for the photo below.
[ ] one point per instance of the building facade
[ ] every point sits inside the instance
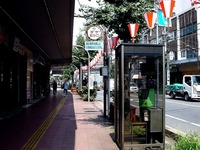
(182, 44)
(24, 73)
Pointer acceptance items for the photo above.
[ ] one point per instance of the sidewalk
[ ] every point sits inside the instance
(79, 125)
(60, 123)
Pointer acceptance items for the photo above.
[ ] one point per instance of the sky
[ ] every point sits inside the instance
(180, 6)
(78, 22)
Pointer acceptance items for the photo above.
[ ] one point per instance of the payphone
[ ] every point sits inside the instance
(139, 115)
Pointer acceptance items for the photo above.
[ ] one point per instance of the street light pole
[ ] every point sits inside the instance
(80, 73)
(88, 69)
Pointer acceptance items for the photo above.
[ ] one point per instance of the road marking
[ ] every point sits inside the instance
(36, 137)
(195, 124)
(179, 102)
(176, 118)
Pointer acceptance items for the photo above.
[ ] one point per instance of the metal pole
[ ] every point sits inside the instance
(164, 50)
(109, 83)
(88, 76)
(198, 71)
(106, 80)
(108, 64)
(168, 71)
(80, 77)
(88, 69)
(80, 73)
(157, 61)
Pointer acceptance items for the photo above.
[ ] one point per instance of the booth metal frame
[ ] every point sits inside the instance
(123, 51)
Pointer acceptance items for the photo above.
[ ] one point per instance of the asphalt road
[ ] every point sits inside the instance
(182, 116)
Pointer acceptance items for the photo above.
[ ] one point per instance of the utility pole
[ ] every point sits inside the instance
(105, 78)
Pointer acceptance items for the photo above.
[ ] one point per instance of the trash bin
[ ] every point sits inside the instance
(73, 90)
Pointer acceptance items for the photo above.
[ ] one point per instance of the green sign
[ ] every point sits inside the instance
(93, 45)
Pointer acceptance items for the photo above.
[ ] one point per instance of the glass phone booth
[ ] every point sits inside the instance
(139, 98)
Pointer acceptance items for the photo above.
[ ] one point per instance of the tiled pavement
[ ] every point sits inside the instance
(59, 123)
(79, 125)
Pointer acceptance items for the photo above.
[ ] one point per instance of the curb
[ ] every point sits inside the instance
(173, 133)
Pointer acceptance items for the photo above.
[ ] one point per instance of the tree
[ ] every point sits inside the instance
(81, 54)
(117, 14)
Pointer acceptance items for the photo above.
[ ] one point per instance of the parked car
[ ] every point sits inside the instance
(133, 87)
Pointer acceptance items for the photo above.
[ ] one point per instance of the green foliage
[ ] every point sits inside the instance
(93, 93)
(138, 130)
(80, 56)
(188, 142)
(117, 15)
(112, 71)
(81, 53)
(68, 72)
(80, 92)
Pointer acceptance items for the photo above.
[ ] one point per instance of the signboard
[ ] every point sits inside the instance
(162, 21)
(93, 45)
(94, 33)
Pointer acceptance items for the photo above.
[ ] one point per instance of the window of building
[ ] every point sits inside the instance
(183, 53)
(188, 29)
(190, 54)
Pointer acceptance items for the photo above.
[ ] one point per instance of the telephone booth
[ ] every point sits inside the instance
(139, 102)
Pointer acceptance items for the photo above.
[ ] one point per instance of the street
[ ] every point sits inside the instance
(183, 115)
(180, 115)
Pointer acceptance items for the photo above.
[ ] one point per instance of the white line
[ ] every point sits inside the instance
(176, 118)
(195, 124)
(182, 103)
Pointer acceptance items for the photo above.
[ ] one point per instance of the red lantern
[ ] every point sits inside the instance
(195, 4)
(115, 41)
(133, 28)
(167, 7)
(150, 18)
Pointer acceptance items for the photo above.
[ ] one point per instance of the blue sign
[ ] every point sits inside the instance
(93, 45)
(162, 21)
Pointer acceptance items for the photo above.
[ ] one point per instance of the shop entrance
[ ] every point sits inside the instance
(139, 96)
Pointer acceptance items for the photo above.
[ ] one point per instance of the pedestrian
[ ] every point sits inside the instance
(65, 87)
(54, 87)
